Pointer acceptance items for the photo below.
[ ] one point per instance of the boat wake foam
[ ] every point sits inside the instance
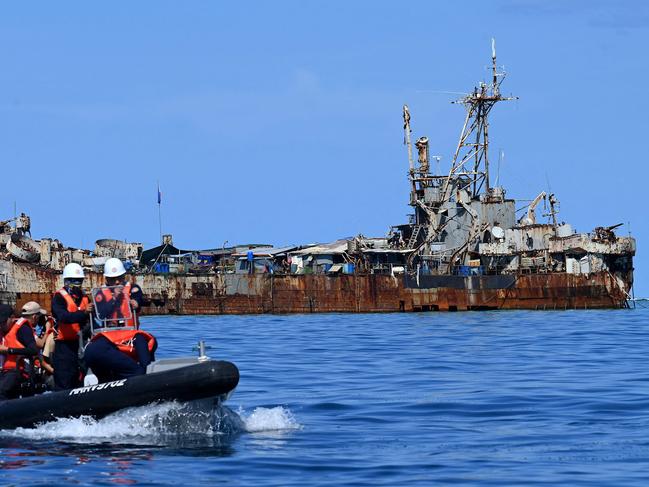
(169, 423)
(269, 419)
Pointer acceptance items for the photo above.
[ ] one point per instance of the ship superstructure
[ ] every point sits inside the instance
(462, 224)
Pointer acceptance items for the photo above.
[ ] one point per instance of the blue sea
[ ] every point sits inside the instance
(474, 398)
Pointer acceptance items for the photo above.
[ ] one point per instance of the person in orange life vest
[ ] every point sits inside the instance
(125, 352)
(17, 344)
(41, 366)
(72, 310)
(7, 316)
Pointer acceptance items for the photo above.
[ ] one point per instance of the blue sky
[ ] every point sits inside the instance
(280, 122)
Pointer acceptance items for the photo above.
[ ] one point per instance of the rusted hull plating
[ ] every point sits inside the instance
(376, 293)
(267, 293)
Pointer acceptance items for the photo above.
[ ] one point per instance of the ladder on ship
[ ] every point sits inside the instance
(414, 235)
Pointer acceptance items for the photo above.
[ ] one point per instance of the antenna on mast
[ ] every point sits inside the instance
(494, 83)
(470, 165)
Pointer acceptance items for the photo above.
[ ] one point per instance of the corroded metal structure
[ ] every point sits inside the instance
(358, 293)
(464, 248)
(462, 224)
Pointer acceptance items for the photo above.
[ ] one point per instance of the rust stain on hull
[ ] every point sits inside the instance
(358, 293)
(285, 294)
(376, 293)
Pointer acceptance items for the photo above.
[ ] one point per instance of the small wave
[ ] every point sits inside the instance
(269, 419)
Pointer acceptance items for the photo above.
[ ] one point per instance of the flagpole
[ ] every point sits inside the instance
(159, 212)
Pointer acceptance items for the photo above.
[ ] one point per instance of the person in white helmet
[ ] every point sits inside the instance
(111, 302)
(126, 351)
(71, 309)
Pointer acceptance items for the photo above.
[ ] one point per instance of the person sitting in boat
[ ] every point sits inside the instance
(18, 346)
(118, 348)
(44, 337)
(72, 309)
(7, 317)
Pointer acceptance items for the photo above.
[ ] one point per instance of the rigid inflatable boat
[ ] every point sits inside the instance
(181, 379)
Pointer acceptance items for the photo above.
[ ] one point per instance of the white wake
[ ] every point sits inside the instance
(162, 424)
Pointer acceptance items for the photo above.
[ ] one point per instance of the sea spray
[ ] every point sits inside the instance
(165, 424)
(153, 424)
(269, 419)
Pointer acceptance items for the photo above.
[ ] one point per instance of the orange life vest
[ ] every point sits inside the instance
(10, 340)
(123, 340)
(70, 331)
(124, 307)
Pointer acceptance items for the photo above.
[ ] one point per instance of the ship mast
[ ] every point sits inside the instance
(406, 140)
(435, 197)
(470, 165)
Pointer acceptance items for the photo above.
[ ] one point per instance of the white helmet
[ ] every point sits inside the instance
(114, 268)
(73, 271)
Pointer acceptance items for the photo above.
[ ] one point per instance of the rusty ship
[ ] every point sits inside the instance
(463, 248)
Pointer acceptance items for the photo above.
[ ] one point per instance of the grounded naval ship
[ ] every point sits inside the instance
(463, 248)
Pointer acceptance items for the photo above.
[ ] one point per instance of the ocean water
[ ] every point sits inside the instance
(475, 398)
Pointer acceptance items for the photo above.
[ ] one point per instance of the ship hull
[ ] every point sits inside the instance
(355, 293)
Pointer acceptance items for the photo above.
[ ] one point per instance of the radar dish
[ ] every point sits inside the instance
(498, 232)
